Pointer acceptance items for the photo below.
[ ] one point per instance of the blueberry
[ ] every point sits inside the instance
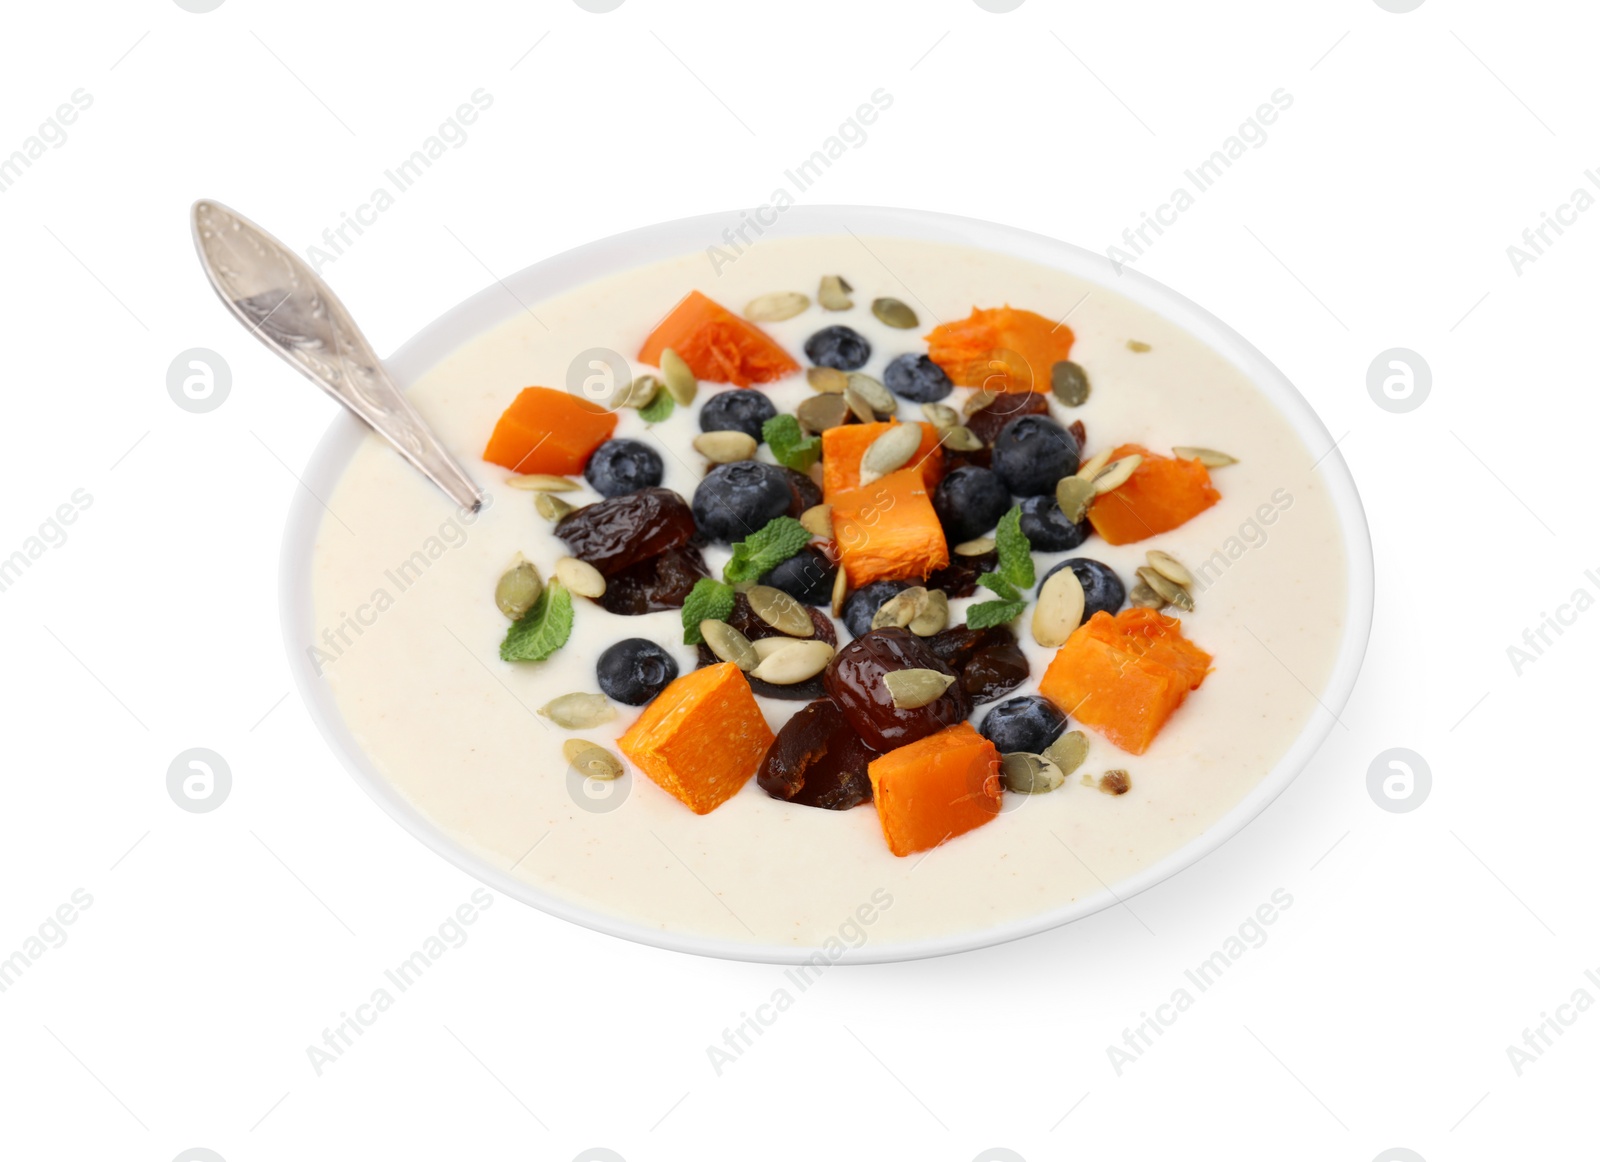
(1047, 527)
(917, 378)
(734, 500)
(1102, 588)
(1033, 453)
(619, 467)
(635, 670)
(741, 410)
(865, 602)
(970, 501)
(838, 347)
(1028, 724)
(807, 577)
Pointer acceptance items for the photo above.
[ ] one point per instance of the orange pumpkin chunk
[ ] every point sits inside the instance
(842, 448)
(1002, 349)
(1124, 676)
(717, 344)
(545, 430)
(1161, 494)
(888, 530)
(702, 738)
(936, 788)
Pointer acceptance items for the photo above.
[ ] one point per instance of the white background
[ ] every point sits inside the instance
(218, 946)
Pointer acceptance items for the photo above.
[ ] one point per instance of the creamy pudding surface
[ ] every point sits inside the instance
(409, 634)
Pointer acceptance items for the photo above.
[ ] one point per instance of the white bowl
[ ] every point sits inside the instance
(622, 252)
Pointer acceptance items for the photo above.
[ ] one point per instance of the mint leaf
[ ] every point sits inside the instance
(541, 631)
(709, 600)
(657, 409)
(999, 586)
(790, 446)
(775, 541)
(987, 613)
(1016, 554)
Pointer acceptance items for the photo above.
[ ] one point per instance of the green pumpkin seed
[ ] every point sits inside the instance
(639, 393)
(834, 293)
(1169, 567)
(538, 483)
(977, 401)
(890, 451)
(1029, 774)
(1059, 609)
(681, 383)
(1170, 592)
(1069, 382)
(974, 548)
(894, 313)
(1139, 346)
(941, 415)
(776, 307)
(796, 661)
(1115, 474)
(818, 413)
(580, 577)
(591, 761)
(818, 521)
(780, 611)
(1068, 751)
(729, 644)
(551, 507)
(901, 609)
(1115, 782)
(914, 689)
(934, 617)
(518, 588)
(828, 380)
(725, 447)
(879, 398)
(960, 439)
(1210, 457)
(579, 711)
(1145, 597)
(1073, 495)
(859, 407)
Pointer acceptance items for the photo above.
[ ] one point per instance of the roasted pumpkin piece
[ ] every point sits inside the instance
(1162, 494)
(888, 530)
(843, 447)
(717, 344)
(936, 788)
(1002, 349)
(548, 431)
(702, 737)
(1124, 676)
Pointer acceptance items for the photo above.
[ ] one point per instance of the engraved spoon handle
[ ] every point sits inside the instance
(285, 305)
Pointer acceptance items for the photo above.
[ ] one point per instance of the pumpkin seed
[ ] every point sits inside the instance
(1029, 774)
(1115, 474)
(1091, 467)
(894, 313)
(859, 407)
(767, 646)
(975, 548)
(579, 711)
(1059, 609)
(1073, 495)
(1138, 345)
(775, 307)
(1069, 383)
(977, 401)
(935, 616)
(901, 609)
(639, 393)
(1145, 597)
(1115, 782)
(780, 611)
(818, 413)
(841, 589)
(795, 662)
(941, 415)
(729, 644)
(538, 483)
(914, 689)
(828, 380)
(960, 439)
(818, 521)
(551, 507)
(1169, 567)
(890, 451)
(680, 381)
(834, 293)
(1068, 751)
(879, 398)
(725, 447)
(1170, 592)
(518, 588)
(592, 761)
(1210, 457)
(580, 577)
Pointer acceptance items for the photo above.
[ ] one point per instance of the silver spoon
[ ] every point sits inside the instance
(285, 305)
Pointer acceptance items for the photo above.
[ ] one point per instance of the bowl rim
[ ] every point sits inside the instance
(504, 299)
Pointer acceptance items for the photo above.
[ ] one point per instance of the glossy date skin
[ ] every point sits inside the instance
(854, 680)
(818, 760)
(613, 535)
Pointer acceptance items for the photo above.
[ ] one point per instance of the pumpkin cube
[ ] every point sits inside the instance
(843, 447)
(936, 788)
(888, 530)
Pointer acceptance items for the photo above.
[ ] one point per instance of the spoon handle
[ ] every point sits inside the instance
(285, 305)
